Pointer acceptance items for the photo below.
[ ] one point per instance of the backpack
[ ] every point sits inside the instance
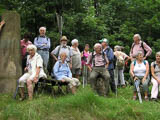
(60, 64)
(141, 46)
(93, 58)
(60, 49)
(120, 62)
(134, 62)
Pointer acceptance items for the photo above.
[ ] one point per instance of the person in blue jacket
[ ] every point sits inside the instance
(110, 55)
(63, 73)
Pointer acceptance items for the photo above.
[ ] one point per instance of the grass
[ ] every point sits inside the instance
(85, 105)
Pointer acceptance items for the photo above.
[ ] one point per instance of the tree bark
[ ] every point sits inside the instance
(10, 56)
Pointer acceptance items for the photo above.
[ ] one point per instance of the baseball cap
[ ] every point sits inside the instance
(104, 40)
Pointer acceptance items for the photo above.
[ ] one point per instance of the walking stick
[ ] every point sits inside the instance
(138, 90)
(15, 93)
(83, 75)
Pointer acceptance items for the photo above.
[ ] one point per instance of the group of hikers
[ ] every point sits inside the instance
(103, 62)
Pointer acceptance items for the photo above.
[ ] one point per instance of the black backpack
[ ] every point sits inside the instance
(141, 46)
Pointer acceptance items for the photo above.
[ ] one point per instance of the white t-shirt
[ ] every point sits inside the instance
(139, 69)
(76, 58)
(33, 63)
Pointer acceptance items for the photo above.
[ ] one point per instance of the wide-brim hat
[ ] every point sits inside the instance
(63, 38)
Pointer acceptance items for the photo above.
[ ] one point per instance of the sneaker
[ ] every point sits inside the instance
(146, 98)
(154, 99)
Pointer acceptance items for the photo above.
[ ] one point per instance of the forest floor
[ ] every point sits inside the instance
(84, 105)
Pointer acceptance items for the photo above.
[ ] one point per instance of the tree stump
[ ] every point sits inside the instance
(10, 55)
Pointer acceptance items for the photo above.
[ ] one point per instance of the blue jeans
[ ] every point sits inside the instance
(45, 56)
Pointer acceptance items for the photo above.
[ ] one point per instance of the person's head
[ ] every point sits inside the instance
(31, 49)
(42, 31)
(63, 56)
(104, 42)
(86, 48)
(136, 38)
(139, 56)
(117, 48)
(75, 42)
(26, 36)
(98, 48)
(63, 40)
(158, 56)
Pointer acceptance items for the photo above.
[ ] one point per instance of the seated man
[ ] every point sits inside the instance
(62, 72)
(34, 71)
(99, 67)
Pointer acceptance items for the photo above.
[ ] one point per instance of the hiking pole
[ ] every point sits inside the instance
(116, 91)
(15, 94)
(86, 75)
(83, 75)
(138, 90)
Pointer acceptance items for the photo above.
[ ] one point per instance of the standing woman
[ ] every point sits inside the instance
(155, 71)
(34, 71)
(84, 57)
(121, 58)
(139, 71)
(76, 59)
(24, 43)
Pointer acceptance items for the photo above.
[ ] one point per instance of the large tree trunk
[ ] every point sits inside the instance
(10, 56)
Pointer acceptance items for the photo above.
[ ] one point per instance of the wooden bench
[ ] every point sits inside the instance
(42, 83)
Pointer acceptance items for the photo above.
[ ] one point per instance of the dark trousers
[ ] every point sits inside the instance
(112, 81)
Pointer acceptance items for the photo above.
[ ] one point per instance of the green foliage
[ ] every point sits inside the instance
(91, 20)
(85, 105)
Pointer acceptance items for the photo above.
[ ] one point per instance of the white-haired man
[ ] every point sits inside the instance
(43, 44)
(63, 47)
(99, 67)
(76, 59)
(139, 45)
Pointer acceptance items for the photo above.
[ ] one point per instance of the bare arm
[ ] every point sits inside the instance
(131, 70)
(54, 57)
(153, 74)
(37, 74)
(1, 24)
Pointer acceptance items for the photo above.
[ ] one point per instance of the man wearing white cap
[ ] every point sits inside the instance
(110, 55)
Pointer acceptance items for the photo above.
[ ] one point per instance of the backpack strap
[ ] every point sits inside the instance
(59, 47)
(154, 64)
(144, 61)
(93, 59)
(134, 62)
(103, 55)
(38, 38)
(142, 45)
